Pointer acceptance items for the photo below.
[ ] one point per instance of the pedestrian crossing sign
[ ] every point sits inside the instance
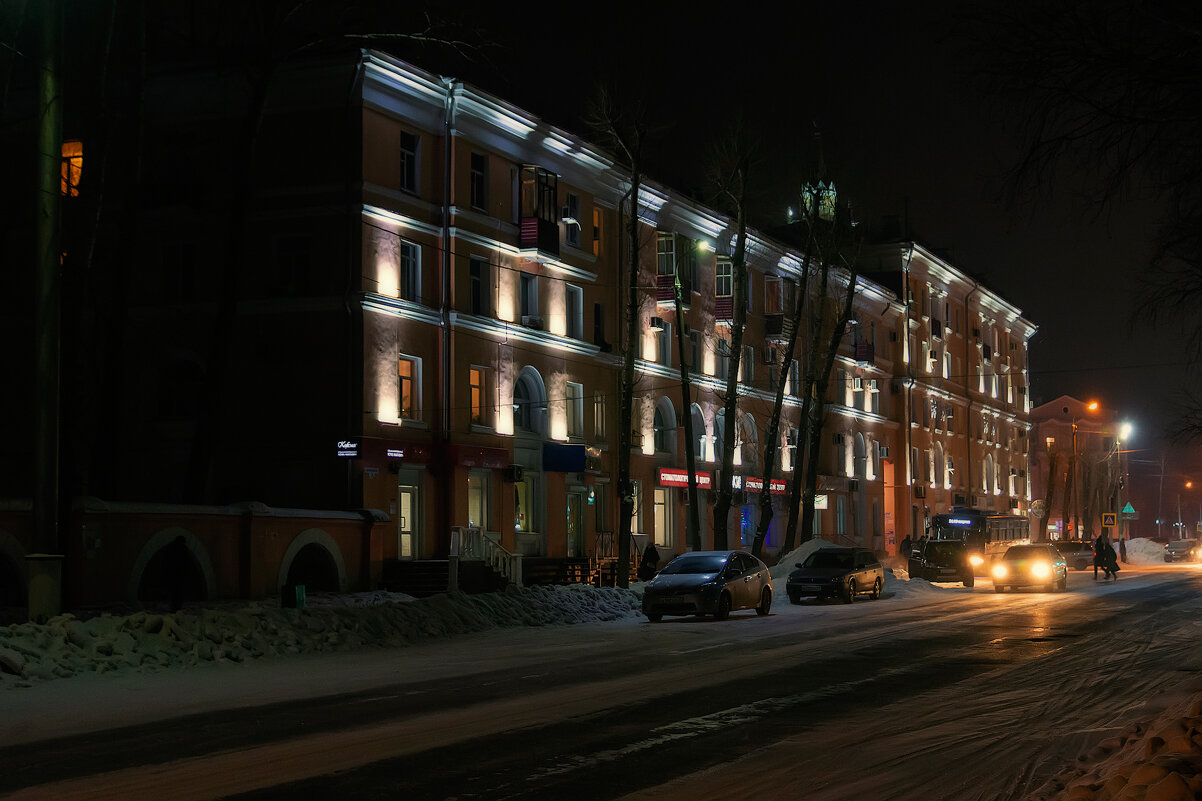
(1108, 519)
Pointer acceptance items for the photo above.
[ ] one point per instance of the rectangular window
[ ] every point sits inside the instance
(686, 262)
(575, 311)
(72, 168)
(665, 253)
(410, 272)
(664, 342)
(407, 374)
(794, 378)
(599, 416)
(409, 156)
(475, 383)
(571, 217)
(747, 365)
(480, 281)
(596, 232)
(574, 401)
(723, 362)
(695, 350)
(723, 278)
(529, 296)
(479, 181)
(773, 295)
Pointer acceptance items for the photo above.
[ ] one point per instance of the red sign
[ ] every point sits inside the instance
(752, 484)
(480, 457)
(671, 477)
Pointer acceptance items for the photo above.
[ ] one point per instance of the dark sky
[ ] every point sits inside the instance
(908, 129)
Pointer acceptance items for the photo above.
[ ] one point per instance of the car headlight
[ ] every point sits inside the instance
(999, 570)
(1041, 570)
(976, 561)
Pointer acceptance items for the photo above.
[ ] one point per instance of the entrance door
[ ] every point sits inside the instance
(575, 524)
(408, 525)
(663, 519)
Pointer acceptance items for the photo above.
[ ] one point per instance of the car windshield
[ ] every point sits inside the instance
(842, 559)
(1027, 552)
(696, 563)
(944, 551)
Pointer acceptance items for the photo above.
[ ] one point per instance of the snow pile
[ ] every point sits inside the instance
(1160, 760)
(1141, 551)
(144, 641)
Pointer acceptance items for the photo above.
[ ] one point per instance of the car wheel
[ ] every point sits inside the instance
(876, 590)
(654, 617)
(765, 602)
(723, 610)
(849, 592)
(970, 581)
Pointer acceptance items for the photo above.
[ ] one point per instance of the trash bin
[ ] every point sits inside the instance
(293, 596)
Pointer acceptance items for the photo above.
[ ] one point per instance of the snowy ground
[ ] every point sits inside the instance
(1158, 759)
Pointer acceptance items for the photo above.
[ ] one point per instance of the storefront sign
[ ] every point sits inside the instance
(753, 484)
(561, 458)
(348, 448)
(480, 457)
(671, 477)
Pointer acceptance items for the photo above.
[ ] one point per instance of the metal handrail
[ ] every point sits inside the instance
(475, 544)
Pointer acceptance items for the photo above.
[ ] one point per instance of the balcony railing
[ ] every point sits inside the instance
(724, 307)
(537, 233)
(665, 288)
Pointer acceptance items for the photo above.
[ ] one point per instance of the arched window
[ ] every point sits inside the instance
(661, 434)
(529, 403)
(521, 407)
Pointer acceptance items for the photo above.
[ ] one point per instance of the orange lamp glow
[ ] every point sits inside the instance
(1093, 406)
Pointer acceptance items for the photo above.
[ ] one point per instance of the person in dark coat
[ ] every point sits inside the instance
(1112, 565)
(1099, 557)
(906, 546)
(649, 563)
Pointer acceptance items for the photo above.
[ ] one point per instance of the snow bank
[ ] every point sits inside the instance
(145, 641)
(1142, 551)
(1152, 760)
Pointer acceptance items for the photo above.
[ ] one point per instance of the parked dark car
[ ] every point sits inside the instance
(709, 583)
(941, 560)
(1039, 565)
(842, 572)
(1182, 551)
(1078, 554)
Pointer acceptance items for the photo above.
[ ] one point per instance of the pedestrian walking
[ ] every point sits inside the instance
(906, 546)
(1099, 557)
(649, 563)
(1112, 565)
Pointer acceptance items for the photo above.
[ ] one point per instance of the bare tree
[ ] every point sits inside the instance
(693, 522)
(731, 164)
(622, 123)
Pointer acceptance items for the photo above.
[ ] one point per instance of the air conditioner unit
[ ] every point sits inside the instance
(532, 321)
(565, 214)
(920, 491)
(512, 473)
(656, 324)
(857, 383)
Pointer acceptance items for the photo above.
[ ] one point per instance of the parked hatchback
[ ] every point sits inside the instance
(842, 572)
(709, 583)
(941, 560)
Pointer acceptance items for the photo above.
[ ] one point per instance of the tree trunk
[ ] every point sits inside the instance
(739, 269)
(693, 523)
(625, 489)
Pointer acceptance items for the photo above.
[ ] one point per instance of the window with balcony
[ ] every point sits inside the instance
(478, 181)
(539, 212)
(410, 144)
(723, 287)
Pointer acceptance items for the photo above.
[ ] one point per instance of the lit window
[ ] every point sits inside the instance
(72, 167)
(475, 383)
(407, 372)
(596, 232)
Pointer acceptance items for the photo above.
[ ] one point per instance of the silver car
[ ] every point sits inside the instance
(1182, 551)
(709, 583)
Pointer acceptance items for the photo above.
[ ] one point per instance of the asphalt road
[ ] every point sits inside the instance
(966, 695)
